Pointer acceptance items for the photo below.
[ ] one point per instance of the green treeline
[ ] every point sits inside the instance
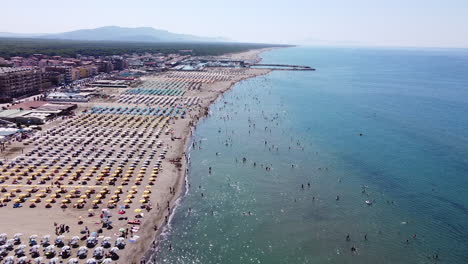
(10, 47)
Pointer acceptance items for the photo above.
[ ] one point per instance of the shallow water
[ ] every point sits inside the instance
(387, 126)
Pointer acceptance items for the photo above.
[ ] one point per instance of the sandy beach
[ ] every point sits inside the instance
(85, 157)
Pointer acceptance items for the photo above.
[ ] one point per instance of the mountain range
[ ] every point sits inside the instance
(114, 33)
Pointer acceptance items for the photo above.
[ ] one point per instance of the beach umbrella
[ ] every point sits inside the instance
(91, 261)
(73, 261)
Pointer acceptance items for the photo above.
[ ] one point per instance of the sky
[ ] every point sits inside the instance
(407, 23)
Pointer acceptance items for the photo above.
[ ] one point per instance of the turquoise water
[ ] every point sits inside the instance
(378, 125)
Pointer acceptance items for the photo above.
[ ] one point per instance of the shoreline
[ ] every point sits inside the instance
(151, 246)
(83, 158)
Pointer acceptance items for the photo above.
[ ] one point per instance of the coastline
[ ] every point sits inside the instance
(143, 251)
(141, 222)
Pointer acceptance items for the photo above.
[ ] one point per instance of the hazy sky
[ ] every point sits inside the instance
(433, 23)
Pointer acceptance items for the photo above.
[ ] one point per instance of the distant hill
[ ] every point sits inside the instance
(114, 33)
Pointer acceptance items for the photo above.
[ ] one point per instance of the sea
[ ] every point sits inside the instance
(364, 160)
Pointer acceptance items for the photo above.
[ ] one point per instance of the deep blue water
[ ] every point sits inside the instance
(384, 125)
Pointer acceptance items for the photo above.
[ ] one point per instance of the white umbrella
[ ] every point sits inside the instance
(9, 260)
(114, 250)
(22, 246)
(23, 260)
(91, 261)
(54, 261)
(73, 261)
(50, 248)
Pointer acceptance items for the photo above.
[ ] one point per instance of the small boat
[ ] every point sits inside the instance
(368, 202)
